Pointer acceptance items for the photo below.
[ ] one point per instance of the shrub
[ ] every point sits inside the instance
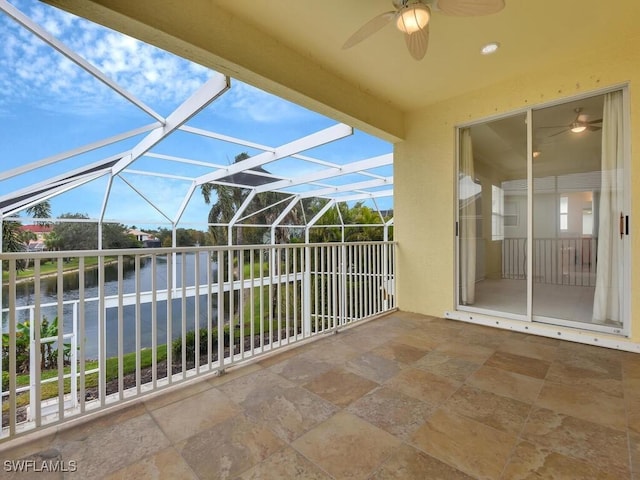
(190, 342)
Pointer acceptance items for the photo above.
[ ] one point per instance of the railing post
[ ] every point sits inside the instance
(12, 348)
(343, 283)
(73, 357)
(306, 292)
(32, 365)
(386, 281)
(102, 339)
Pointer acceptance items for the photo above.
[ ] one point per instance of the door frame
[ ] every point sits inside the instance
(466, 310)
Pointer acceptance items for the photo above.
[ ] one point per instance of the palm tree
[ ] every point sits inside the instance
(40, 210)
(12, 242)
(360, 214)
(229, 199)
(53, 241)
(12, 237)
(268, 215)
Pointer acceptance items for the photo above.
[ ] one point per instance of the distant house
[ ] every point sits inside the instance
(147, 239)
(140, 235)
(41, 232)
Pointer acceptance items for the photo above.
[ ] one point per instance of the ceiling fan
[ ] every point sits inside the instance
(412, 18)
(578, 125)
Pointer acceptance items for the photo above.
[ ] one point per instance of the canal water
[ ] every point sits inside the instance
(49, 292)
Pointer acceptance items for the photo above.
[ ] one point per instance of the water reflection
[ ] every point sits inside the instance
(185, 267)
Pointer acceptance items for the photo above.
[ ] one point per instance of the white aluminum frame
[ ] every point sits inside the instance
(601, 334)
(161, 128)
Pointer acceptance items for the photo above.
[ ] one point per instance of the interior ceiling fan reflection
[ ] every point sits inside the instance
(412, 19)
(578, 125)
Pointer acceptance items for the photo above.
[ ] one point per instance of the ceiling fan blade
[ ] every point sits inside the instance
(590, 122)
(369, 28)
(417, 42)
(470, 8)
(593, 128)
(559, 133)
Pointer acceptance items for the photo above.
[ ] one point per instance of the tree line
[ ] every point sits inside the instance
(263, 210)
(74, 232)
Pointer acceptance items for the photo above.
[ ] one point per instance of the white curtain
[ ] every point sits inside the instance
(607, 304)
(467, 196)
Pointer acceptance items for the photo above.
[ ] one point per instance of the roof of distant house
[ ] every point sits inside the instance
(37, 228)
(133, 231)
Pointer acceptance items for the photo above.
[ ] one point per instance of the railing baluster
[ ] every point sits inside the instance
(360, 281)
(324, 298)
(287, 310)
(209, 309)
(279, 292)
(137, 320)
(316, 287)
(120, 328)
(154, 321)
(261, 296)
(334, 286)
(12, 347)
(220, 336)
(271, 289)
(82, 342)
(252, 319)
(232, 325)
(241, 300)
(102, 339)
(183, 313)
(295, 282)
(60, 299)
(73, 381)
(169, 339)
(36, 400)
(196, 310)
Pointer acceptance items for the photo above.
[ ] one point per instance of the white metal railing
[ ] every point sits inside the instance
(139, 320)
(558, 261)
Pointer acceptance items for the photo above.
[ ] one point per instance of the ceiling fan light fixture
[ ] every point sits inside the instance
(413, 18)
(578, 127)
(490, 48)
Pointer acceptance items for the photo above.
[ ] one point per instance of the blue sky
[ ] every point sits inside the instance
(50, 105)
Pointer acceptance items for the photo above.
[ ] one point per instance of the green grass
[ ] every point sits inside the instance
(50, 390)
(49, 267)
(260, 269)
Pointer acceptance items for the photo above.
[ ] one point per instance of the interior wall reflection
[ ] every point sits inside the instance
(574, 194)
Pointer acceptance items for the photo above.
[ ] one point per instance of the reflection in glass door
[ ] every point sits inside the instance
(493, 216)
(578, 198)
(570, 268)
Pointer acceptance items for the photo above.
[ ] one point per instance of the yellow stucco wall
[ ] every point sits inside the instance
(424, 170)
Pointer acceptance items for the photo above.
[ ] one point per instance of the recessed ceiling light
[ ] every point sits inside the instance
(489, 48)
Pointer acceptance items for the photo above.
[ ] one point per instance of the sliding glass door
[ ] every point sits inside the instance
(542, 215)
(492, 186)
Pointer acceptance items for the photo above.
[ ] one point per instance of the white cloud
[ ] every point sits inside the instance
(31, 72)
(249, 102)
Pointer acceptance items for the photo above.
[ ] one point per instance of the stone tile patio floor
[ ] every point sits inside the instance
(403, 396)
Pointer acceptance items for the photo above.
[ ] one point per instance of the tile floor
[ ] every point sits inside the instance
(401, 397)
